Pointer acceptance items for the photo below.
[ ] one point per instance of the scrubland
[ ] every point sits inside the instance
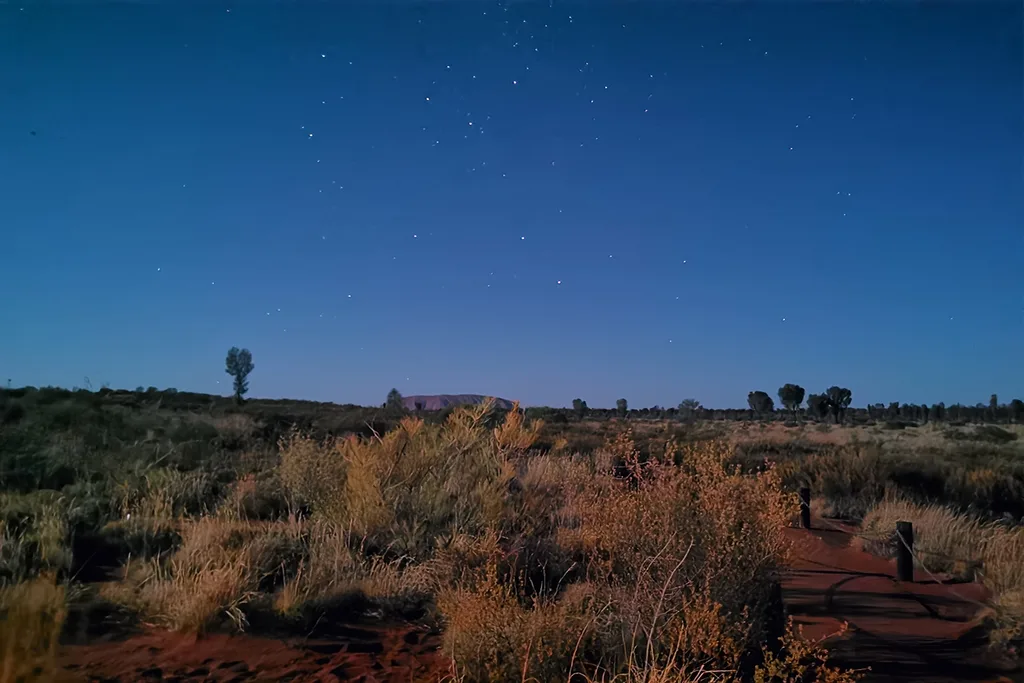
(580, 552)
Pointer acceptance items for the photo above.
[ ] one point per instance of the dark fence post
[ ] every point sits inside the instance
(904, 551)
(805, 507)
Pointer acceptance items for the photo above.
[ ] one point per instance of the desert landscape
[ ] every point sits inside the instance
(162, 535)
(632, 341)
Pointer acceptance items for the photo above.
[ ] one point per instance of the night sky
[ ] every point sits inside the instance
(653, 201)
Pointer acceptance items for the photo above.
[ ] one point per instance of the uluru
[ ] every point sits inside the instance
(442, 401)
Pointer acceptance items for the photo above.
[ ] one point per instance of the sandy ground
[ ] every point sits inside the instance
(370, 654)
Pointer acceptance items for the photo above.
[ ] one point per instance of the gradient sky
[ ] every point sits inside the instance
(537, 201)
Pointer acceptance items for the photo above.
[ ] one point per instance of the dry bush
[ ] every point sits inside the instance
(492, 634)
(698, 548)
(849, 478)
(32, 615)
(945, 541)
(333, 570)
(236, 426)
(255, 496)
(212, 576)
(164, 493)
(675, 571)
(415, 484)
(34, 534)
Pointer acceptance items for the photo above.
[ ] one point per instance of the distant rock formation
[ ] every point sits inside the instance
(442, 401)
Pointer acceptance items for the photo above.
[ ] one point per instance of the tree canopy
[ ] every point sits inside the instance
(239, 365)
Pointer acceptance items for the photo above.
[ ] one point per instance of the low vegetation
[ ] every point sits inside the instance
(570, 550)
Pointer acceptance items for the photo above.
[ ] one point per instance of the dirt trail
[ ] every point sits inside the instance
(928, 631)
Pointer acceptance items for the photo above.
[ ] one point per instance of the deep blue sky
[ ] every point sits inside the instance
(375, 195)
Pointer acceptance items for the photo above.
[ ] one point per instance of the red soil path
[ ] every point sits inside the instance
(370, 655)
(926, 632)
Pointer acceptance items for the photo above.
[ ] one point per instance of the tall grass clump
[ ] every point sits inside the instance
(32, 614)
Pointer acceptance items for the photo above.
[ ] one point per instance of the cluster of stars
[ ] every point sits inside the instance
(448, 107)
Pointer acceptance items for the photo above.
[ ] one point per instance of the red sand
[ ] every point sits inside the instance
(360, 654)
(926, 632)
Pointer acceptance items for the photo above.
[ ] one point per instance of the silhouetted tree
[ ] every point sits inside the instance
(622, 407)
(688, 408)
(760, 402)
(791, 396)
(817, 405)
(394, 403)
(579, 406)
(1016, 410)
(239, 364)
(839, 399)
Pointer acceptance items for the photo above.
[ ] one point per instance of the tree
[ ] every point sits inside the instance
(817, 405)
(791, 396)
(760, 402)
(622, 407)
(1016, 409)
(239, 364)
(394, 403)
(688, 408)
(579, 406)
(839, 399)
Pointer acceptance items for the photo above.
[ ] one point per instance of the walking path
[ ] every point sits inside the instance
(928, 631)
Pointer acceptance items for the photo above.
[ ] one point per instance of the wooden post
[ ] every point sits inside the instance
(805, 507)
(904, 551)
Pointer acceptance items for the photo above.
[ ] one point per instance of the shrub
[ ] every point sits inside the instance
(32, 615)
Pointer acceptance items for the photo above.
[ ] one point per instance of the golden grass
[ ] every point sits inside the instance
(32, 615)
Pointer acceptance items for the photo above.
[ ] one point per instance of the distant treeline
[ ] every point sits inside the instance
(833, 405)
